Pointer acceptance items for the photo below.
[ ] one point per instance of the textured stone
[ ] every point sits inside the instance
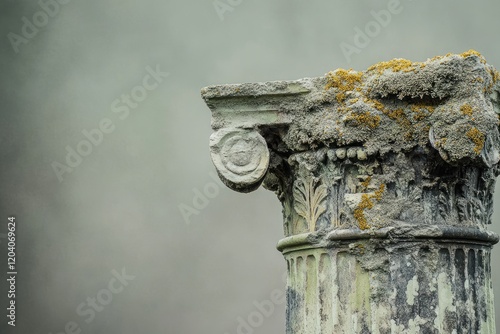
(386, 178)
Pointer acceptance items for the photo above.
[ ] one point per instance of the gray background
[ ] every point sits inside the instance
(120, 207)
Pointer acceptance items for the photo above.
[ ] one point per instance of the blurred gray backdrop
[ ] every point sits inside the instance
(135, 236)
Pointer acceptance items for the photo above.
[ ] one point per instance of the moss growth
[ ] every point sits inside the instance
(477, 138)
(364, 119)
(466, 109)
(366, 203)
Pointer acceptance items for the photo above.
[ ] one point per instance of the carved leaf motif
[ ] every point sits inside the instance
(449, 198)
(478, 209)
(444, 201)
(486, 195)
(464, 206)
(463, 210)
(309, 201)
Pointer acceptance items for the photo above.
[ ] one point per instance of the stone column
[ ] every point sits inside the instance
(386, 178)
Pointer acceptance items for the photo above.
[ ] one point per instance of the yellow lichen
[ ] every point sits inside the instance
(472, 52)
(375, 104)
(477, 138)
(495, 75)
(344, 80)
(441, 142)
(466, 109)
(364, 119)
(440, 57)
(408, 135)
(366, 182)
(341, 97)
(359, 214)
(405, 65)
(396, 65)
(379, 192)
(421, 111)
(366, 203)
(397, 115)
(400, 117)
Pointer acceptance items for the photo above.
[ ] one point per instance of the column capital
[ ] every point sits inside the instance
(402, 142)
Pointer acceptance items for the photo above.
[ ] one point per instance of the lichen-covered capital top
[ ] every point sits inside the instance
(402, 143)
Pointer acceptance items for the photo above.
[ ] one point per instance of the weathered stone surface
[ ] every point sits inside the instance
(429, 281)
(386, 178)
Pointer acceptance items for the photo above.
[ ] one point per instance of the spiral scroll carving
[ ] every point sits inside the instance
(241, 158)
